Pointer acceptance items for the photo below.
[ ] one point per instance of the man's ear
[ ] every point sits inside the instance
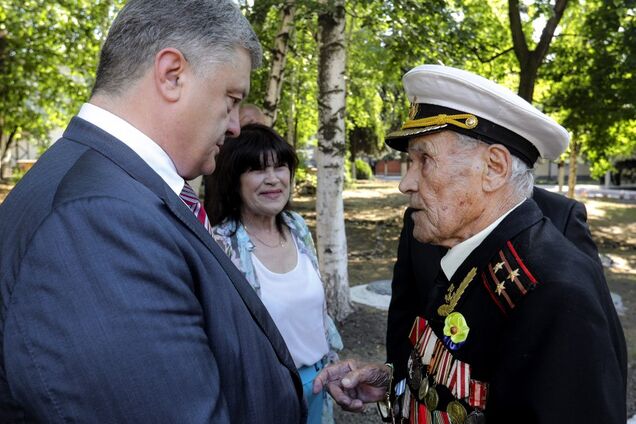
(169, 73)
(498, 167)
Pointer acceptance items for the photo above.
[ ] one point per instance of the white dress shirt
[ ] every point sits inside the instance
(139, 142)
(458, 253)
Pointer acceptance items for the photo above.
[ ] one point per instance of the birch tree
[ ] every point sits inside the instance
(279, 55)
(330, 228)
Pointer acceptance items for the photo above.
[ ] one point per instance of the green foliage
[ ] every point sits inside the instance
(17, 175)
(49, 51)
(298, 104)
(595, 84)
(363, 170)
(348, 181)
(48, 55)
(306, 180)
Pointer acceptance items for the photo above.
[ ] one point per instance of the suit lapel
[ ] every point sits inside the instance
(89, 135)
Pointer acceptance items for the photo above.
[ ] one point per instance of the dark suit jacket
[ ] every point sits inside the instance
(118, 306)
(418, 264)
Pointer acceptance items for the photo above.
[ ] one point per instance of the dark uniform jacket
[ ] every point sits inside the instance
(544, 335)
(418, 264)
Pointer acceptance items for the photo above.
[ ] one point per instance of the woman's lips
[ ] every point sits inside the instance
(271, 194)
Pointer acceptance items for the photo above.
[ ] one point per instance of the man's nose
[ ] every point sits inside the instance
(409, 182)
(233, 127)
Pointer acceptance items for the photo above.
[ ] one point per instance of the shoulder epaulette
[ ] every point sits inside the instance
(507, 279)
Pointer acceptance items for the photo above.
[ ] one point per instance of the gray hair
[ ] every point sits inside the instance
(206, 32)
(521, 176)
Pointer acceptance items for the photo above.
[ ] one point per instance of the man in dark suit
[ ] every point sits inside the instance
(418, 264)
(518, 325)
(117, 304)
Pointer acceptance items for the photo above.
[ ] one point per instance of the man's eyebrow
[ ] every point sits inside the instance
(419, 148)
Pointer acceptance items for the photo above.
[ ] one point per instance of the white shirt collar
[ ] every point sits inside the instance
(458, 253)
(140, 143)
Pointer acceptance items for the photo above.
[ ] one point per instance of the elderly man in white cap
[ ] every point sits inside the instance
(519, 326)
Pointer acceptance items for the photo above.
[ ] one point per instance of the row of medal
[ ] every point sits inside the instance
(432, 367)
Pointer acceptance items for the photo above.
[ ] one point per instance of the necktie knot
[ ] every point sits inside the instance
(190, 198)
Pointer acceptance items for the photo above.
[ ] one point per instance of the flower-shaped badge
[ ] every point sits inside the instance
(455, 330)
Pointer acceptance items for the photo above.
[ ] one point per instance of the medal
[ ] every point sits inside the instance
(456, 412)
(415, 372)
(383, 409)
(421, 395)
(475, 417)
(431, 399)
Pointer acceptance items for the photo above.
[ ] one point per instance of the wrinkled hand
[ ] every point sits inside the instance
(352, 383)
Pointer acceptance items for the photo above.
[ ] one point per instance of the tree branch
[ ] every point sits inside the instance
(490, 59)
(519, 43)
(548, 31)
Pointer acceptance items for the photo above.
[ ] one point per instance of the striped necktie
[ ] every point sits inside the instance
(191, 200)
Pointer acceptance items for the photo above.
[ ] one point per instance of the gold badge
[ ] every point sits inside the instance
(500, 288)
(452, 296)
(498, 266)
(471, 121)
(456, 412)
(414, 109)
(421, 394)
(513, 274)
(431, 399)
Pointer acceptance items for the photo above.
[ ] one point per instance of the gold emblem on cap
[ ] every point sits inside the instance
(471, 121)
(415, 107)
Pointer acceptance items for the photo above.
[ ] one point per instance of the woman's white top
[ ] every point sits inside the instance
(295, 302)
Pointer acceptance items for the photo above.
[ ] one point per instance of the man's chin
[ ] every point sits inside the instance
(422, 237)
(427, 237)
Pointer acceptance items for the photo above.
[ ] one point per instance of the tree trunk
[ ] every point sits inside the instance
(531, 60)
(291, 115)
(5, 145)
(572, 174)
(607, 182)
(527, 79)
(330, 228)
(279, 54)
(353, 154)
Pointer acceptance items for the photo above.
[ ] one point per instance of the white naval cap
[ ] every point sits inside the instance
(446, 98)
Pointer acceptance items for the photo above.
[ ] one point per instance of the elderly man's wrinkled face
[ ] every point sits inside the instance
(444, 186)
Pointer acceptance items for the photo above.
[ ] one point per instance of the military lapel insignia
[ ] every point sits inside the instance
(507, 279)
(452, 296)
